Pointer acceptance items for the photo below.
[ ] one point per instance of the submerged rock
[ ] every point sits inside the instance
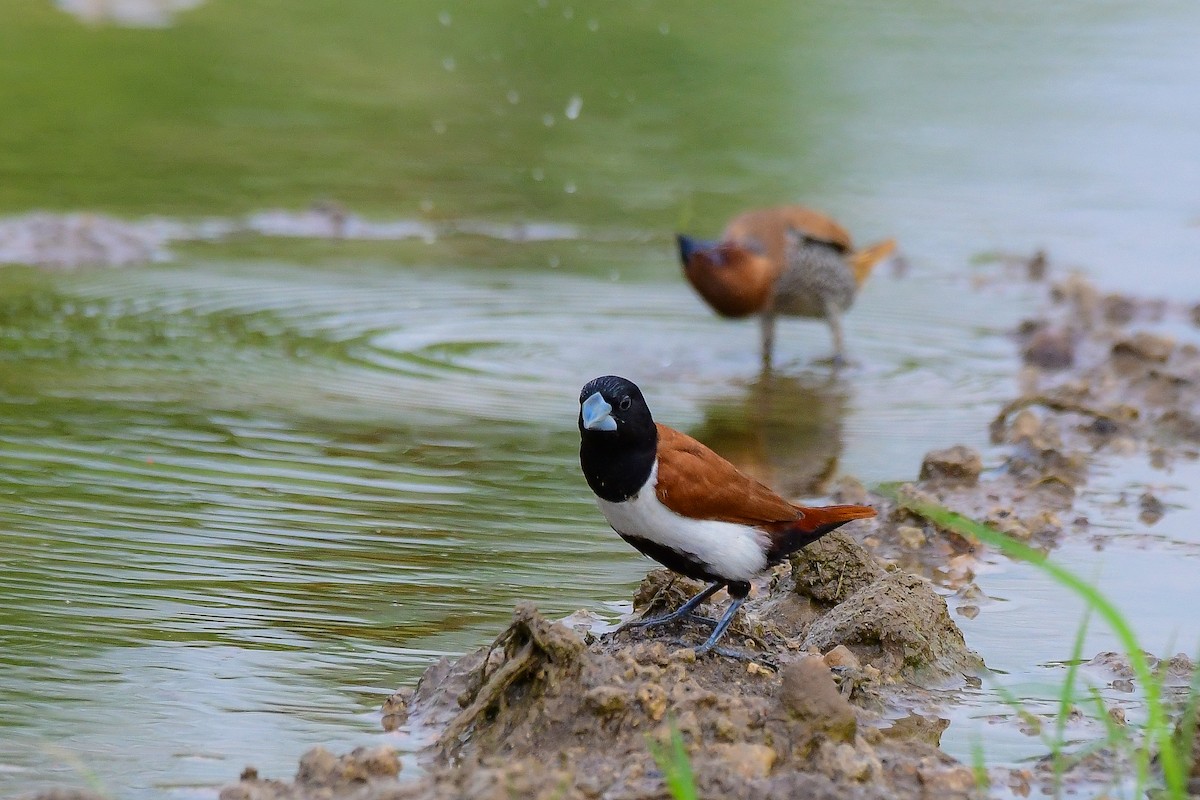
(957, 464)
(363, 773)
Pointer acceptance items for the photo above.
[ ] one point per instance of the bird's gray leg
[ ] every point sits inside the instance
(767, 320)
(683, 611)
(721, 626)
(834, 317)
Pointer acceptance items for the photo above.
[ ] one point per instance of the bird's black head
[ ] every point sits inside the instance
(613, 407)
(618, 440)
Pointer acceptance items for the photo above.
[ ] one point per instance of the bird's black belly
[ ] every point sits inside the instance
(684, 564)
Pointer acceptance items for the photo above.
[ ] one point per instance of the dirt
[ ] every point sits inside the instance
(551, 711)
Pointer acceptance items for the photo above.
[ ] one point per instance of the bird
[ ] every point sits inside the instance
(686, 507)
(788, 260)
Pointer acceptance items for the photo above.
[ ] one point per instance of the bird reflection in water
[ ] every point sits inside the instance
(785, 430)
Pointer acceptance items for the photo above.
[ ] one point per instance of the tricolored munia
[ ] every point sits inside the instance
(683, 505)
(787, 260)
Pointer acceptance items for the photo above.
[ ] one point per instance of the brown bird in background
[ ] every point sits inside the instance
(787, 260)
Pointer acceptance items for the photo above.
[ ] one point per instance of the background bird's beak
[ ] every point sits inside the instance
(597, 414)
(689, 247)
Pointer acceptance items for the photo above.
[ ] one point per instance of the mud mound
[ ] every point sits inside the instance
(546, 711)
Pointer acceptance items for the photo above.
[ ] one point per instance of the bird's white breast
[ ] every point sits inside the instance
(733, 551)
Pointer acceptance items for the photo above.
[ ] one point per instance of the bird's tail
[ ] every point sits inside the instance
(814, 523)
(863, 261)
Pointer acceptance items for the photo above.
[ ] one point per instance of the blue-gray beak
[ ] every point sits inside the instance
(597, 414)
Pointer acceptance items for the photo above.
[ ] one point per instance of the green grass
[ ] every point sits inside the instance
(1157, 732)
(672, 759)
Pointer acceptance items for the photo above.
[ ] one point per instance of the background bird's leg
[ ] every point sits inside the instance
(721, 626)
(683, 611)
(834, 317)
(767, 320)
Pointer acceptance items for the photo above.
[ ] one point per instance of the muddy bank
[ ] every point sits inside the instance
(127, 13)
(552, 711)
(70, 241)
(1100, 382)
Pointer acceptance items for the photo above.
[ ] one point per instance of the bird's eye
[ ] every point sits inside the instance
(626, 402)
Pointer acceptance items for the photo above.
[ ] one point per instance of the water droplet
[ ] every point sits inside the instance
(568, 12)
(445, 18)
(538, 173)
(439, 126)
(427, 205)
(569, 187)
(574, 106)
(553, 261)
(548, 120)
(593, 25)
(664, 28)
(449, 63)
(513, 96)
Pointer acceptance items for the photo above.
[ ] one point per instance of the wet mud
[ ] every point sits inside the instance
(552, 711)
(72, 241)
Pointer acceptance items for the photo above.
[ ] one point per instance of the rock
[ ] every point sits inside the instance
(918, 727)
(841, 656)
(319, 767)
(808, 692)
(1144, 346)
(395, 709)
(911, 536)
(607, 700)
(899, 625)
(1179, 424)
(362, 772)
(958, 464)
(1150, 509)
(662, 591)
(653, 700)
(749, 761)
(1035, 267)
(1118, 309)
(1050, 349)
(832, 568)
(850, 490)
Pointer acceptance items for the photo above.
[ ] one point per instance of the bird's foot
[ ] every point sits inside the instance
(738, 655)
(649, 623)
(835, 362)
(663, 620)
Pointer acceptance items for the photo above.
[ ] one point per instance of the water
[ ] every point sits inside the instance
(245, 495)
